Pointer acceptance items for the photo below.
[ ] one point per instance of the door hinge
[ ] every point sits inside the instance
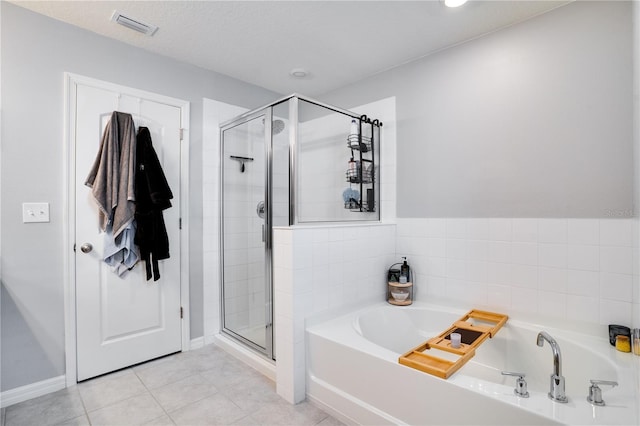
(181, 133)
(181, 312)
(180, 223)
(74, 248)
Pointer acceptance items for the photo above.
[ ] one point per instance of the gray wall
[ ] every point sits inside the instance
(534, 120)
(35, 52)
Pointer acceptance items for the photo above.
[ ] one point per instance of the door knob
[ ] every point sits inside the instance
(86, 248)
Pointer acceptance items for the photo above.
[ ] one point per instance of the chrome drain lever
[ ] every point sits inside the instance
(521, 384)
(595, 393)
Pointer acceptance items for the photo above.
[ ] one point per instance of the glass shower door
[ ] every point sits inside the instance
(246, 274)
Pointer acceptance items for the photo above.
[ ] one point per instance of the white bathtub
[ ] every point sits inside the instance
(353, 371)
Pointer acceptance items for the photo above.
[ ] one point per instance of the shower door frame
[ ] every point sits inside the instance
(267, 111)
(269, 349)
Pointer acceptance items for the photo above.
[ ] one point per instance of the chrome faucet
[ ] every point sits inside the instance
(556, 388)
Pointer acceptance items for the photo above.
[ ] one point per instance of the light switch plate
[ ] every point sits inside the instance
(35, 212)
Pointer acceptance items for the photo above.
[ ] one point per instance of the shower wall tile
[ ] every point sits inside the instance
(558, 269)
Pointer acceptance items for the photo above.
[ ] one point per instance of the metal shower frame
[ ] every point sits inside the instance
(267, 112)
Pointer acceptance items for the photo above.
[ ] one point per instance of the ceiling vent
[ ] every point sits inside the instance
(134, 24)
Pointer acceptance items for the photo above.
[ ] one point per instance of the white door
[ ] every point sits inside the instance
(121, 321)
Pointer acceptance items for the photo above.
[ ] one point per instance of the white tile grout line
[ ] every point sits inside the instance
(154, 397)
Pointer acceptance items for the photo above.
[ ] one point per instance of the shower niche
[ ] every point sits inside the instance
(282, 165)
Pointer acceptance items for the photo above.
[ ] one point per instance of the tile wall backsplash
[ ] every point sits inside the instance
(317, 269)
(334, 266)
(559, 269)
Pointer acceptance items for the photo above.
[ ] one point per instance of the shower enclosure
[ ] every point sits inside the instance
(295, 161)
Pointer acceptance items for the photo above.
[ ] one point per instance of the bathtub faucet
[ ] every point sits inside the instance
(556, 389)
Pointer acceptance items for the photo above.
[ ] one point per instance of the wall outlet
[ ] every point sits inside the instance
(35, 212)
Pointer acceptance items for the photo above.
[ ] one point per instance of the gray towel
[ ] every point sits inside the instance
(112, 176)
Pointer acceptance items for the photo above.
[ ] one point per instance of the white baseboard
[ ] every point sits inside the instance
(196, 343)
(23, 393)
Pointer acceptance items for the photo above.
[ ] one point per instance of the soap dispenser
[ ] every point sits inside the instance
(400, 284)
(405, 270)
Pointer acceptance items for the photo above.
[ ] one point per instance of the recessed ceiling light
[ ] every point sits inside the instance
(133, 23)
(298, 73)
(454, 3)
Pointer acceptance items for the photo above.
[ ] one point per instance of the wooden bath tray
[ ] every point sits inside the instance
(436, 356)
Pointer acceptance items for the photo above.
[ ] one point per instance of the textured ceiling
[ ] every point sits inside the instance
(338, 42)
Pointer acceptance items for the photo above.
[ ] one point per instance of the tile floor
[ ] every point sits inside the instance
(206, 386)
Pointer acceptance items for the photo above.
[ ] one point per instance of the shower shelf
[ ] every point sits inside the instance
(356, 143)
(355, 206)
(361, 176)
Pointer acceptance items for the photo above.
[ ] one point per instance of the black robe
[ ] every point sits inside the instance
(152, 197)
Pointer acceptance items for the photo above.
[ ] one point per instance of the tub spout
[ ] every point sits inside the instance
(556, 387)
